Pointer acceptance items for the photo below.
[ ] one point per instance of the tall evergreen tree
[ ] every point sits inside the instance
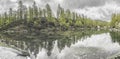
(5, 18)
(10, 14)
(73, 15)
(68, 14)
(1, 20)
(49, 11)
(40, 12)
(59, 10)
(44, 12)
(30, 13)
(25, 13)
(35, 9)
(114, 20)
(20, 10)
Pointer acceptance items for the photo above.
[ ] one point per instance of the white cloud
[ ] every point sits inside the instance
(100, 12)
(13, 0)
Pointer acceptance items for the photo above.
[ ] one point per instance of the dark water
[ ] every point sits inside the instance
(60, 45)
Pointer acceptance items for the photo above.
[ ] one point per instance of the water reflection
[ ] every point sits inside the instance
(81, 45)
(115, 36)
(94, 47)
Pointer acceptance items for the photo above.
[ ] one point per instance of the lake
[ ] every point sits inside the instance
(84, 44)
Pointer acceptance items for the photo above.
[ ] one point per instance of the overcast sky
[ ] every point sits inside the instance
(95, 9)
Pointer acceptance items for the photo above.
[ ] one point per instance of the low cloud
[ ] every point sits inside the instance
(102, 12)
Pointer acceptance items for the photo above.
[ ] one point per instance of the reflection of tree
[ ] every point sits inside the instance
(45, 41)
(115, 36)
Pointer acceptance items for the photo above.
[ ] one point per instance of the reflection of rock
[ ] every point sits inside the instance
(8, 53)
(23, 53)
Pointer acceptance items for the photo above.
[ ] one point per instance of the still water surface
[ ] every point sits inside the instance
(68, 45)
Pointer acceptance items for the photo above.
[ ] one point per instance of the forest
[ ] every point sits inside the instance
(38, 18)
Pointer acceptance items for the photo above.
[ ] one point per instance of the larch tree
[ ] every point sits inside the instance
(49, 12)
(30, 13)
(59, 9)
(44, 12)
(35, 9)
(40, 12)
(10, 14)
(1, 20)
(20, 10)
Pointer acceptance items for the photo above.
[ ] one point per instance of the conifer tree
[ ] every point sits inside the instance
(68, 14)
(30, 14)
(20, 10)
(1, 22)
(40, 12)
(10, 14)
(35, 9)
(59, 11)
(44, 12)
(49, 11)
